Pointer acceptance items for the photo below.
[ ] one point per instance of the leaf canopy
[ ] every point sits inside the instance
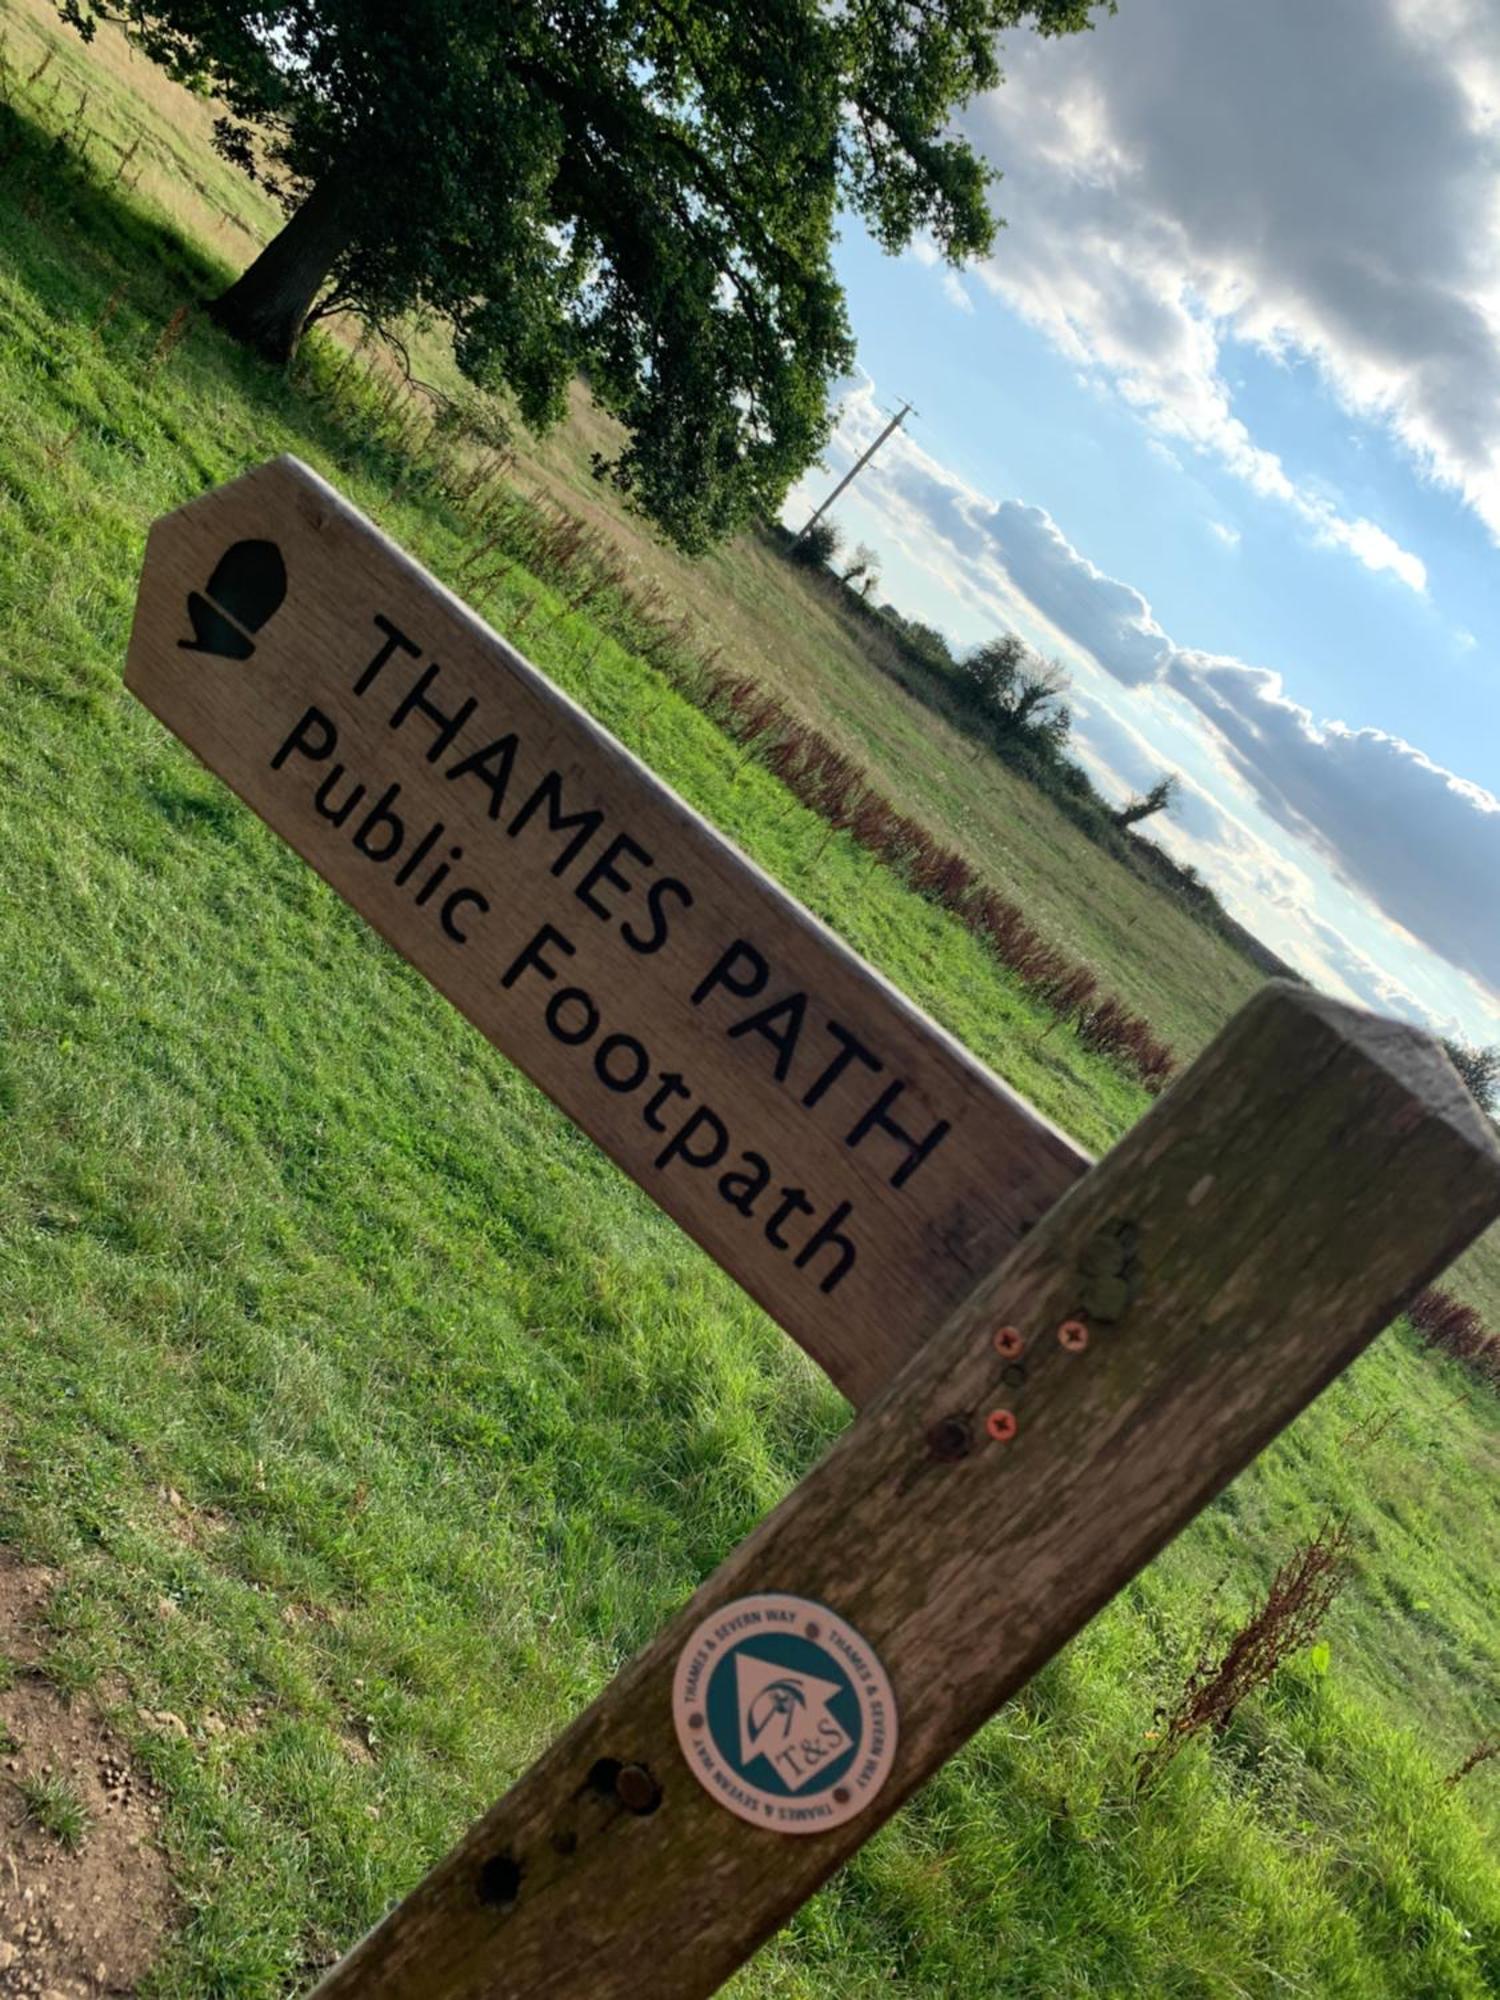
(645, 190)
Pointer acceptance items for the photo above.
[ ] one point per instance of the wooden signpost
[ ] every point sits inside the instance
(851, 1165)
(1057, 1366)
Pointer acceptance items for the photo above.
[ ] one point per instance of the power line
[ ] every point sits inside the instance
(858, 466)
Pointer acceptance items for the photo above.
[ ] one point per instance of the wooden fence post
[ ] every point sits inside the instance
(1246, 1240)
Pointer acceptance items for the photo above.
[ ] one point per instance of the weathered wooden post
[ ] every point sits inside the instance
(1264, 1221)
(1056, 1372)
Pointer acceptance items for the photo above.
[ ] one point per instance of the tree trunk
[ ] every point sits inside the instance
(267, 305)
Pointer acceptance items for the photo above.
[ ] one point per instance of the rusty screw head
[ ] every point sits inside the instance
(1009, 1342)
(1001, 1426)
(812, 1629)
(1073, 1335)
(841, 1795)
(636, 1789)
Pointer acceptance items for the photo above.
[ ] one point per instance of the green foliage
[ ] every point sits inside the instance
(1163, 794)
(817, 546)
(1017, 693)
(924, 642)
(1480, 1070)
(645, 190)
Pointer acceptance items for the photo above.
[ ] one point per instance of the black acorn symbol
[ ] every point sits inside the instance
(246, 588)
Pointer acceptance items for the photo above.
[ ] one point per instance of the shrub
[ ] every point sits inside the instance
(1296, 1604)
(1481, 1754)
(1444, 1321)
(816, 547)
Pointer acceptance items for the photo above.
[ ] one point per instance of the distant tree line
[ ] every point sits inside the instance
(1010, 699)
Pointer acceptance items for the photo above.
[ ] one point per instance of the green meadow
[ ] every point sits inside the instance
(371, 1419)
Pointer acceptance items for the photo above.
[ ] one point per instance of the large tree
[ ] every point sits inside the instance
(1164, 793)
(1018, 692)
(642, 189)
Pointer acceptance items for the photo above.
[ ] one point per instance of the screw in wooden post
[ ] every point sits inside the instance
(636, 1789)
(1347, 1141)
(1073, 1335)
(1009, 1342)
(1001, 1425)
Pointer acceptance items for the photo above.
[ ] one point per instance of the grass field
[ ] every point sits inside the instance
(381, 1438)
(1183, 979)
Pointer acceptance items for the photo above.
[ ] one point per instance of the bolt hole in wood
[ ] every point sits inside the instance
(950, 1438)
(603, 1775)
(499, 1882)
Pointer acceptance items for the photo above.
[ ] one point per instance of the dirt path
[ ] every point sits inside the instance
(80, 1923)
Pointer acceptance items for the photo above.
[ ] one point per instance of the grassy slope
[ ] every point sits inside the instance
(771, 623)
(454, 1418)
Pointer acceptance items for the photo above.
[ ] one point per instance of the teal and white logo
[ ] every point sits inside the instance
(784, 1713)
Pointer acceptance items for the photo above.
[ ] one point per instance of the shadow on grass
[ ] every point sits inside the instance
(101, 266)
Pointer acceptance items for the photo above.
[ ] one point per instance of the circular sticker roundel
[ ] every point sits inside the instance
(784, 1714)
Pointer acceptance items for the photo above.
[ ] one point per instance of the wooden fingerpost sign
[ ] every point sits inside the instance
(851, 1165)
(1057, 1365)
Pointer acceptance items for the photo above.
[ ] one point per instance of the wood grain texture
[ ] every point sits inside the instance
(838, 1153)
(1239, 1248)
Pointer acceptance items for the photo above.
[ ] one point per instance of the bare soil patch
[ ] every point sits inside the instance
(73, 1924)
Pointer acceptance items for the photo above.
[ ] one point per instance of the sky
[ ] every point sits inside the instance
(1217, 424)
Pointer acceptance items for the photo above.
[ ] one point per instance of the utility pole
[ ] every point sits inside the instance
(858, 466)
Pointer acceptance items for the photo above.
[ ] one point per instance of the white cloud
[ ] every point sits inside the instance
(926, 253)
(1422, 842)
(1376, 549)
(1409, 839)
(956, 292)
(1222, 531)
(1318, 180)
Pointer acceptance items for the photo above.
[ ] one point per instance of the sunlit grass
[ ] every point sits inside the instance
(453, 1419)
(53, 1804)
